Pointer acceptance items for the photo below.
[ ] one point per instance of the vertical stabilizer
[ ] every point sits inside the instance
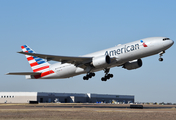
(37, 64)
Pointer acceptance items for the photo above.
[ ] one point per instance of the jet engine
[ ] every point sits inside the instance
(133, 64)
(101, 60)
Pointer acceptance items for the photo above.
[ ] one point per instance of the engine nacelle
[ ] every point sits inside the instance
(101, 60)
(133, 64)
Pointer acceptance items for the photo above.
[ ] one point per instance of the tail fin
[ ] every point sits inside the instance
(37, 64)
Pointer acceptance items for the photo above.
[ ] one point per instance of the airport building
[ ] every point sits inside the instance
(47, 97)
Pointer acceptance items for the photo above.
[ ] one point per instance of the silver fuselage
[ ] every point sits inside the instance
(120, 55)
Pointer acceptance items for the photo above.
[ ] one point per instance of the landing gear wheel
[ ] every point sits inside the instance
(111, 75)
(160, 59)
(161, 54)
(85, 78)
(103, 79)
(89, 75)
(107, 76)
(93, 74)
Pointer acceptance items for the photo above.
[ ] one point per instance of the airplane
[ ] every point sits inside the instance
(127, 55)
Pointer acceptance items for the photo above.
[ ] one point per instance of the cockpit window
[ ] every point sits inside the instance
(166, 39)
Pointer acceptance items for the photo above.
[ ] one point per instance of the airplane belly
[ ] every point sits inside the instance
(62, 71)
(66, 72)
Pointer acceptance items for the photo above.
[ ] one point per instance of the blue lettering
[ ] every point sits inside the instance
(118, 51)
(136, 46)
(132, 47)
(106, 53)
(125, 48)
(122, 50)
(128, 50)
(115, 52)
(111, 53)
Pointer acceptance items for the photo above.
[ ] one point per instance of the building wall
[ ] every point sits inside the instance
(43, 97)
(49, 99)
(109, 100)
(17, 97)
(26, 97)
(106, 98)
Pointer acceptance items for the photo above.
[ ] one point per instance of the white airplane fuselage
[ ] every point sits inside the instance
(119, 55)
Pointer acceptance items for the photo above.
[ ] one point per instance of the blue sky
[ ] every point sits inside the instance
(78, 27)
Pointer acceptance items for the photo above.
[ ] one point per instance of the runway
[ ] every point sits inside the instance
(88, 105)
(120, 106)
(55, 111)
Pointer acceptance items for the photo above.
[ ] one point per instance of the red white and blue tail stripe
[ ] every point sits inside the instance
(37, 64)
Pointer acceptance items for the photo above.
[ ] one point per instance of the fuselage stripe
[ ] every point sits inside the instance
(47, 73)
(41, 68)
(44, 74)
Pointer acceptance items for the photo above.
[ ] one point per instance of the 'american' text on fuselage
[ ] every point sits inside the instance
(122, 50)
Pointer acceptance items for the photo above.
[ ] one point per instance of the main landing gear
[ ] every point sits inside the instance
(161, 54)
(107, 76)
(89, 75)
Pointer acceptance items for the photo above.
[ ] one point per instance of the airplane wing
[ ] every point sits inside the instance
(78, 61)
(24, 73)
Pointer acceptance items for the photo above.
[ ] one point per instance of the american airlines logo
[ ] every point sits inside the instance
(122, 50)
(143, 43)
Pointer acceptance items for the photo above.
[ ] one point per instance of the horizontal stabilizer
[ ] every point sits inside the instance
(24, 73)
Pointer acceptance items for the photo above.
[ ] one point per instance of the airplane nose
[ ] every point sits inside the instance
(169, 43)
(172, 42)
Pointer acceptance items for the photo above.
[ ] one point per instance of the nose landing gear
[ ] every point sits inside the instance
(161, 59)
(161, 54)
